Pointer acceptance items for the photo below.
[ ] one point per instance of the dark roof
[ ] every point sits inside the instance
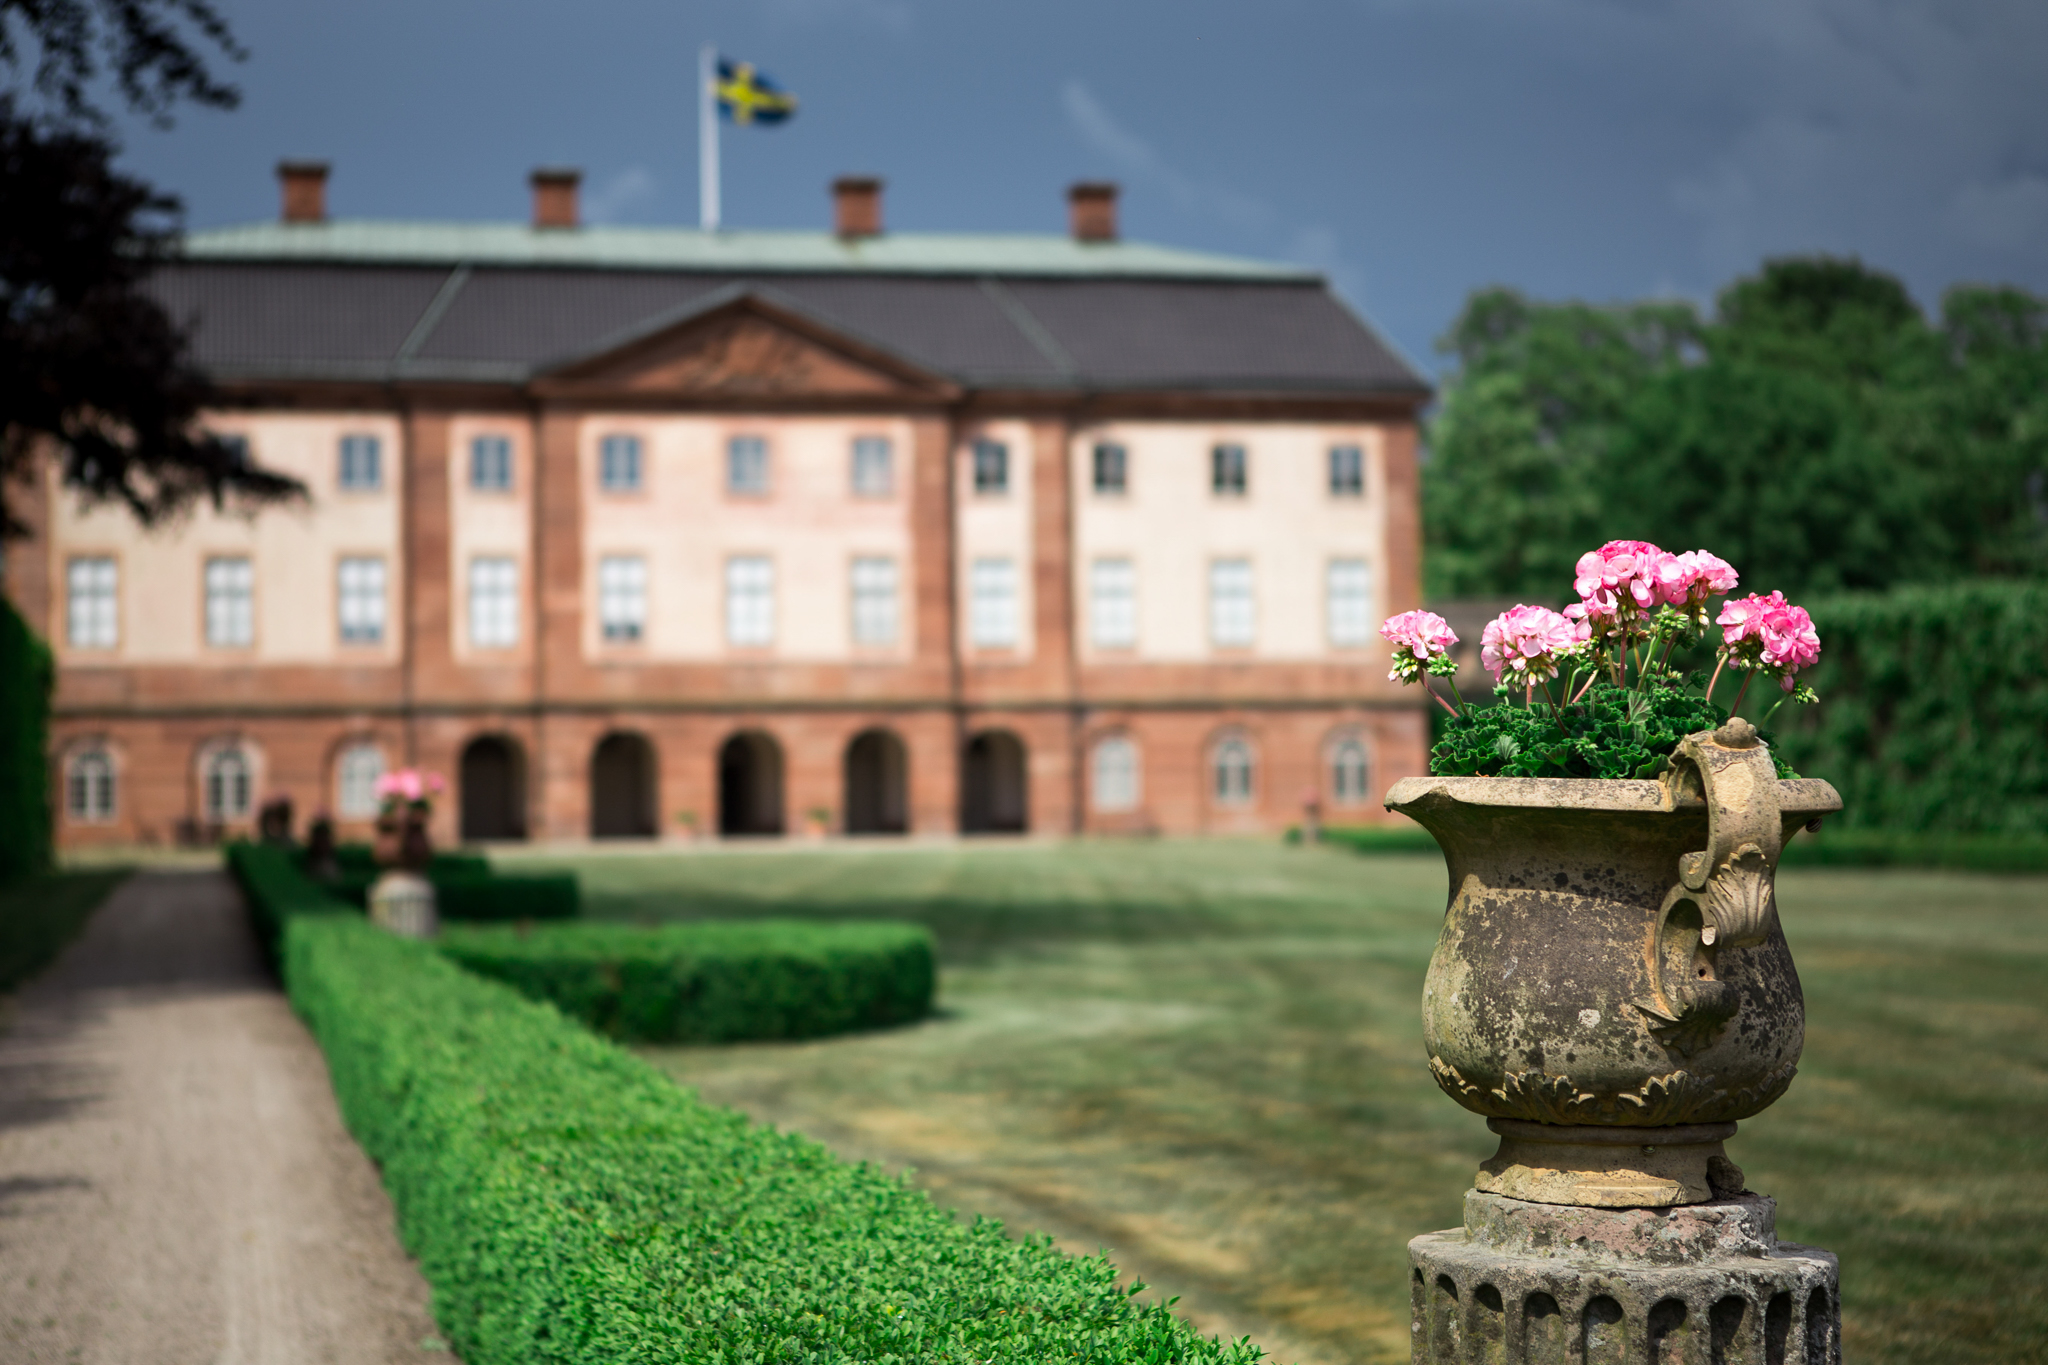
(270, 318)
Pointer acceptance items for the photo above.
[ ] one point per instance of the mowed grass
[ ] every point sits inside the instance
(1206, 1057)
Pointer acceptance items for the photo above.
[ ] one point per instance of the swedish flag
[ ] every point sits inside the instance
(747, 96)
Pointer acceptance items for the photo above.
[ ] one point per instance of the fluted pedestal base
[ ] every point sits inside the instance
(1548, 1284)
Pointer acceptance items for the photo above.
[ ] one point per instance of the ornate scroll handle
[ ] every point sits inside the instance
(1744, 833)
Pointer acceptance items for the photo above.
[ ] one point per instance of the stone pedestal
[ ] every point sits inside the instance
(403, 902)
(1551, 1284)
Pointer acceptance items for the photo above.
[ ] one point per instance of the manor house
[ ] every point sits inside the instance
(657, 532)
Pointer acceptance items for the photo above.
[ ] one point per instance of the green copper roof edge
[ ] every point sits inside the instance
(365, 241)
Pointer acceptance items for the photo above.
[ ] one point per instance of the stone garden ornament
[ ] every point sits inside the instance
(1611, 988)
(402, 899)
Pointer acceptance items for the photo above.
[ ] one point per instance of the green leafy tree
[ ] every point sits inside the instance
(1819, 432)
(92, 370)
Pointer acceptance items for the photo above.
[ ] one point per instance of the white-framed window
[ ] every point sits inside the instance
(621, 597)
(992, 603)
(618, 463)
(493, 602)
(1230, 772)
(227, 780)
(1112, 468)
(1113, 774)
(356, 773)
(1347, 602)
(230, 602)
(92, 597)
(1228, 475)
(1233, 612)
(750, 600)
(1113, 603)
(89, 787)
(874, 467)
(746, 465)
(1347, 472)
(490, 464)
(362, 461)
(359, 600)
(991, 467)
(1349, 773)
(874, 600)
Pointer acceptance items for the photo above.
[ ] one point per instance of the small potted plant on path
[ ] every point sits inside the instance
(402, 899)
(1611, 988)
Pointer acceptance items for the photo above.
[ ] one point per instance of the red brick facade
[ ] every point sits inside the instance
(554, 701)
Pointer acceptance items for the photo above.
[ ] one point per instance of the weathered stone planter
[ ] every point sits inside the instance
(1612, 990)
(402, 899)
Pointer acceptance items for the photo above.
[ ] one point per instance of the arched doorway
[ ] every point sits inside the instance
(622, 788)
(992, 788)
(750, 785)
(493, 778)
(877, 783)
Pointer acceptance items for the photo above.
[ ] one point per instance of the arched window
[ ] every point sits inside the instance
(1348, 772)
(1115, 775)
(1231, 771)
(89, 786)
(227, 783)
(355, 781)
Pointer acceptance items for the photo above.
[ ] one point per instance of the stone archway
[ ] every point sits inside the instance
(623, 781)
(492, 778)
(877, 784)
(994, 790)
(750, 785)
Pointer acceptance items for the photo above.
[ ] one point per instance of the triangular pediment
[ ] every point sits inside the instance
(744, 347)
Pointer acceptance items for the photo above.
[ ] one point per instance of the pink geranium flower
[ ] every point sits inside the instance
(1529, 642)
(410, 785)
(1418, 637)
(1769, 633)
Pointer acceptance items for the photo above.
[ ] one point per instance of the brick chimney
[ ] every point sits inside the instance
(857, 206)
(1091, 209)
(554, 196)
(302, 185)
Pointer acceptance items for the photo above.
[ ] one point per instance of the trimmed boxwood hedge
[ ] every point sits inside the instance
(467, 888)
(714, 981)
(570, 1205)
(25, 677)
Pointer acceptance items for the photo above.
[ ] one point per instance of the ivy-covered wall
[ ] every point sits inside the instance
(25, 676)
(1934, 708)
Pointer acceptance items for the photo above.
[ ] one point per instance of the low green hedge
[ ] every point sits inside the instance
(276, 889)
(569, 1205)
(1373, 838)
(26, 674)
(713, 981)
(1832, 847)
(467, 888)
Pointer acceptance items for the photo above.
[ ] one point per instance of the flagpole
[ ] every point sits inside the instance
(707, 138)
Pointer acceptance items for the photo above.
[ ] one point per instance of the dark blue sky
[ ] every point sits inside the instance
(1414, 149)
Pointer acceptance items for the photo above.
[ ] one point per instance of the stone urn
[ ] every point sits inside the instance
(1612, 991)
(402, 899)
(1611, 988)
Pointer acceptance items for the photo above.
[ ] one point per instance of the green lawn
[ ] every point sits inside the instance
(1207, 1057)
(42, 914)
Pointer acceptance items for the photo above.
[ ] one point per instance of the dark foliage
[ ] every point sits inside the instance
(25, 676)
(1610, 732)
(40, 915)
(91, 367)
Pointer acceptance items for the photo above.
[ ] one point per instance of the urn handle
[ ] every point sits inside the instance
(1745, 833)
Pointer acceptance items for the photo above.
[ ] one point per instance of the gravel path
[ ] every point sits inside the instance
(175, 1182)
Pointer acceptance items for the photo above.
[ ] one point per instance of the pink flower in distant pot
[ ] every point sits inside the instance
(1529, 642)
(1419, 638)
(409, 786)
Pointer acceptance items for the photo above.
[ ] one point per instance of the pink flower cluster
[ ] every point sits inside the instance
(409, 785)
(1419, 638)
(1622, 584)
(1529, 642)
(1769, 633)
